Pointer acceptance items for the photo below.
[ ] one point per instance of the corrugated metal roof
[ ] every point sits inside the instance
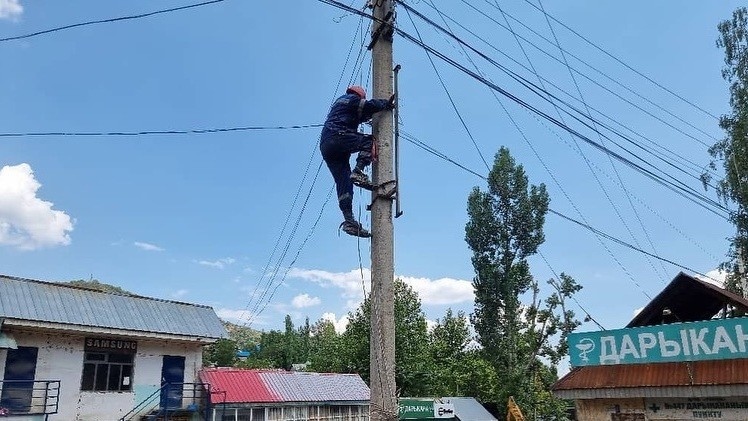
(28, 299)
(694, 373)
(233, 385)
(257, 386)
(469, 409)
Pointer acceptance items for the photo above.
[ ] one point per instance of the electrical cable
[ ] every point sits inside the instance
(675, 185)
(271, 280)
(159, 132)
(550, 173)
(109, 20)
(412, 139)
(254, 313)
(693, 165)
(612, 163)
(604, 51)
(615, 81)
(558, 278)
(449, 96)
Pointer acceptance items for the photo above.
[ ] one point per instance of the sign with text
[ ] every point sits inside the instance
(693, 341)
(415, 409)
(122, 346)
(725, 409)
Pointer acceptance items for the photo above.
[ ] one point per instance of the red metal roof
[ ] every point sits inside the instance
(258, 386)
(695, 373)
(236, 385)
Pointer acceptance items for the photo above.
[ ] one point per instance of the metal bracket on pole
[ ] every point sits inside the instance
(396, 117)
(386, 190)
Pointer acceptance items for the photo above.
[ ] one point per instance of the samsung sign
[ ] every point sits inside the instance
(709, 340)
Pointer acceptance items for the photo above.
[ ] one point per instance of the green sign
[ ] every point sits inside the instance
(693, 341)
(420, 409)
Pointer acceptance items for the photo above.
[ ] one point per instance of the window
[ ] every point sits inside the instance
(258, 414)
(107, 372)
(295, 413)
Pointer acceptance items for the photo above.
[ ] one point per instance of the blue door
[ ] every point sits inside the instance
(172, 382)
(18, 383)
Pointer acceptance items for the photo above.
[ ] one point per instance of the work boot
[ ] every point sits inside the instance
(360, 179)
(355, 229)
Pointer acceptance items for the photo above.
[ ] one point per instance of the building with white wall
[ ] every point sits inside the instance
(70, 353)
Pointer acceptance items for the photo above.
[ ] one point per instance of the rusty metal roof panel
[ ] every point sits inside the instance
(695, 373)
(27, 299)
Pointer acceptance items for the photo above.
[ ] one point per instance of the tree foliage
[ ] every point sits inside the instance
(412, 365)
(505, 227)
(98, 286)
(220, 354)
(732, 151)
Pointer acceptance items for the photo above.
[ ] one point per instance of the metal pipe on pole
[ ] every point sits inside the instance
(384, 404)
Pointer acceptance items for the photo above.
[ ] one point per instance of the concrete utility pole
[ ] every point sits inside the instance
(382, 336)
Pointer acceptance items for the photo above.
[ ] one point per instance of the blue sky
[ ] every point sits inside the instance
(197, 217)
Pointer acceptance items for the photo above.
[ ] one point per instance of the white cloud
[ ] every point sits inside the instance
(432, 292)
(242, 317)
(179, 293)
(441, 291)
(350, 283)
(715, 277)
(147, 246)
(305, 300)
(219, 264)
(10, 9)
(340, 324)
(26, 221)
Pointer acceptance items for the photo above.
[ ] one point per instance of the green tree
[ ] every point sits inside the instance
(271, 353)
(505, 227)
(326, 351)
(732, 151)
(447, 341)
(222, 353)
(412, 363)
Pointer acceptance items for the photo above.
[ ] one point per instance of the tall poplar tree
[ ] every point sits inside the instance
(505, 227)
(732, 151)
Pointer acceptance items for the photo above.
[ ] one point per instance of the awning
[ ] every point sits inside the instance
(7, 341)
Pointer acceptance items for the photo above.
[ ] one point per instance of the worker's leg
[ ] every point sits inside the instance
(341, 172)
(361, 143)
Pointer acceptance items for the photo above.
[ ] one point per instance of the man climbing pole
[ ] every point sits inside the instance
(340, 138)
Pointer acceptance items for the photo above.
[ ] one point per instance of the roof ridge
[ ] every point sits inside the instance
(63, 284)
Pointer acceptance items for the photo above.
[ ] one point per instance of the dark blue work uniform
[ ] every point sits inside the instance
(340, 138)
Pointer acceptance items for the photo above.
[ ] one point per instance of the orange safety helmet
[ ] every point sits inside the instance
(358, 90)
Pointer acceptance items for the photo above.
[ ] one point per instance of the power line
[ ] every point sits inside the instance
(441, 155)
(160, 132)
(604, 51)
(700, 169)
(271, 284)
(555, 275)
(545, 166)
(283, 230)
(617, 95)
(675, 185)
(612, 163)
(449, 96)
(109, 20)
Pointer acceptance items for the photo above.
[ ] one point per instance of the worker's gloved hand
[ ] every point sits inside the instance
(392, 102)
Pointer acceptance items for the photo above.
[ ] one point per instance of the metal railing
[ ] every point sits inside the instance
(171, 398)
(29, 397)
